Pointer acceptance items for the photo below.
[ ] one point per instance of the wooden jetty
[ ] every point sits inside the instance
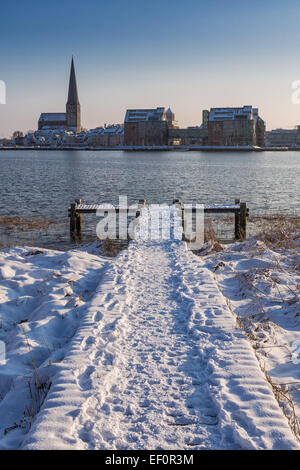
(239, 209)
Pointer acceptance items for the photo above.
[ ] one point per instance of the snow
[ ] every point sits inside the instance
(53, 117)
(136, 115)
(262, 285)
(111, 129)
(42, 297)
(137, 352)
(217, 114)
(187, 206)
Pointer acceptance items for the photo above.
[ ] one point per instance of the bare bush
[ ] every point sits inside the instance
(279, 231)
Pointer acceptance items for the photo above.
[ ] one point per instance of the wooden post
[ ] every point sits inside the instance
(78, 221)
(141, 204)
(178, 202)
(73, 221)
(237, 222)
(243, 220)
(182, 222)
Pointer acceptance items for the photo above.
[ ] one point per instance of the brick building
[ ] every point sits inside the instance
(235, 126)
(188, 136)
(283, 137)
(108, 136)
(146, 127)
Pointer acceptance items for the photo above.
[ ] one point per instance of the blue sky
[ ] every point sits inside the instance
(189, 54)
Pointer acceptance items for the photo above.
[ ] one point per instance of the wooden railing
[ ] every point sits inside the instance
(239, 209)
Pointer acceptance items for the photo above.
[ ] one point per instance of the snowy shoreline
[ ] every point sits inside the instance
(57, 308)
(261, 284)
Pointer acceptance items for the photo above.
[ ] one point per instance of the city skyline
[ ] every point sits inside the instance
(191, 57)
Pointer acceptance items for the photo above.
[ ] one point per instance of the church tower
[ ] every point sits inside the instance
(73, 105)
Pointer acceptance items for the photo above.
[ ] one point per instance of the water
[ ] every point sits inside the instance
(44, 183)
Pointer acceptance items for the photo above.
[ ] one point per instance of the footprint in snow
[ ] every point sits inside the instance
(183, 421)
(106, 409)
(110, 326)
(108, 359)
(111, 305)
(98, 317)
(145, 403)
(129, 411)
(107, 435)
(194, 441)
(89, 341)
(85, 378)
(118, 408)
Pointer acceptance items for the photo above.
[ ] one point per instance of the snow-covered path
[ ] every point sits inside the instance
(158, 363)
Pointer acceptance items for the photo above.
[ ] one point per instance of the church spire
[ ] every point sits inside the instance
(73, 93)
(73, 105)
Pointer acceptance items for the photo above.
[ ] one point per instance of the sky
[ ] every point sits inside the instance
(190, 55)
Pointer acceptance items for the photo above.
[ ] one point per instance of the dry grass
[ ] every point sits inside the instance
(5, 243)
(9, 240)
(16, 231)
(112, 248)
(209, 232)
(24, 223)
(286, 402)
(38, 389)
(279, 231)
(212, 245)
(274, 229)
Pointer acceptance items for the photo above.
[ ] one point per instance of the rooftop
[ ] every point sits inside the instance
(225, 114)
(137, 115)
(53, 117)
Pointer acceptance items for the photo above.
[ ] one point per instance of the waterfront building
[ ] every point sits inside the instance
(283, 137)
(236, 126)
(147, 126)
(5, 142)
(170, 116)
(71, 119)
(205, 118)
(189, 136)
(192, 135)
(108, 136)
